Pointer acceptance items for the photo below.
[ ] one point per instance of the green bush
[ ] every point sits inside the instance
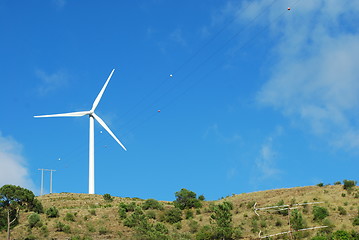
(33, 220)
(337, 183)
(52, 212)
(186, 199)
(342, 210)
(320, 184)
(193, 226)
(151, 214)
(122, 213)
(201, 198)
(188, 214)
(128, 207)
(60, 227)
(36, 206)
(349, 184)
(107, 197)
(320, 213)
(356, 221)
(102, 230)
(172, 215)
(69, 217)
(92, 212)
(152, 204)
(342, 235)
(205, 233)
(135, 218)
(297, 220)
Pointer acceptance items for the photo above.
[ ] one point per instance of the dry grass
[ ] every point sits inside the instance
(98, 219)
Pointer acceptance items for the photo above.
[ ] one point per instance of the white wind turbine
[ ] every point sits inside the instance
(92, 115)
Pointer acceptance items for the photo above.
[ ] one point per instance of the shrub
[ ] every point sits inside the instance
(36, 206)
(188, 214)
(128, 207)
(193, 226)
(349, 184)
(342, 210)
(69, 217)
(91, 228)
(52, 212)
(282, 212)
(319, 213)
(122, 213)
(319, 237)
(102, 230)
(206, 232)
(60, 227)
(201, 198)
(151, 214)
(92, 212)
(278, 223)
(356, 221)
(337, 183)
(107, 197)
(33, 219)
(297, 220)
(135, 218)
(186, 199)
(341, 235)
(320, 184)
(30, 237)
(172, 215)
(67, 229)
(152, 204)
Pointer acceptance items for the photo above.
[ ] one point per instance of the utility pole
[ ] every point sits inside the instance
(42, 179)
(51, 179)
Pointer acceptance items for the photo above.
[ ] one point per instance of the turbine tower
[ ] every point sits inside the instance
(92, 115)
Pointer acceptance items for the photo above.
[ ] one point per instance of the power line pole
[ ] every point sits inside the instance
(51, 179)
(42, 179)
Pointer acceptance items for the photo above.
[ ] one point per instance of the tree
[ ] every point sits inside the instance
(297, 220)
(12, 200)
(223, 217)
(349, 184)
(186, 199)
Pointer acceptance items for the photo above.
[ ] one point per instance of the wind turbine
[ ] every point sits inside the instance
(92, 115)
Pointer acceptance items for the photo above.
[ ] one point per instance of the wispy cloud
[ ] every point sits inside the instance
(214, 130)
(177, 36)
(59, 4)
(13, 165)
(51, 82)
(266, 160)
(314, 80)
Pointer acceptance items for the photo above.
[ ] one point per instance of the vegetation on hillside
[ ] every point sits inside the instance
(82, 216)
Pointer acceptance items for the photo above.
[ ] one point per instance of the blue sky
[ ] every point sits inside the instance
(260, 97)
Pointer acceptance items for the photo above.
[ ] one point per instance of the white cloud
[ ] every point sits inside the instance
(177, 36)
(266, 161)
(51, 82)
(315, 79)
(60, 4)
(13, 165)
(214, 131)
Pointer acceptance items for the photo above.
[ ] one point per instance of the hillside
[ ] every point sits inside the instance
(91, 217)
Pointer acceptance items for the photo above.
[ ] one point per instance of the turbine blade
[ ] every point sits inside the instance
(98, 98)
(103, 124)
(71, 114)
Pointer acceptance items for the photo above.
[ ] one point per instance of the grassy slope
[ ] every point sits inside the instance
(106, 218)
